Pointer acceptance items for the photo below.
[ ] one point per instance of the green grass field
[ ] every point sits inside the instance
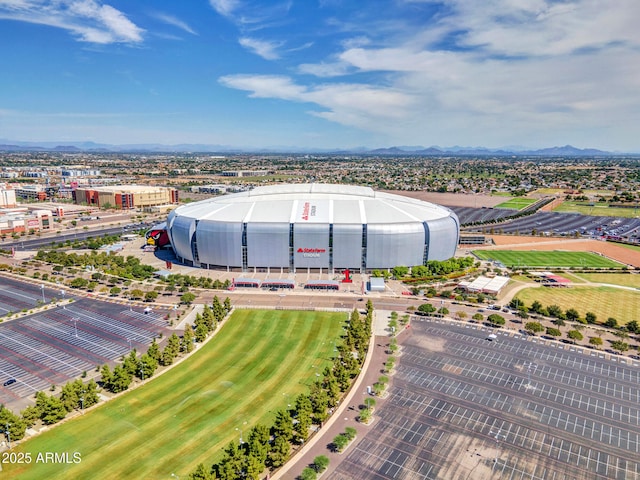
(605, 302)
(517, 203)
(547, 259)
(596, 210)
(256, 364)
(623, 279)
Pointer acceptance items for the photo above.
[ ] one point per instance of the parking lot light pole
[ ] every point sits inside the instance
(82, 405)
(6, 431)
(42, 288)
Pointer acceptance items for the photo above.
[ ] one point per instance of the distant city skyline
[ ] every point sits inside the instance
(326, 74)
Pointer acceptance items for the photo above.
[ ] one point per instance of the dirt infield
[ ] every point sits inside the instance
(608, 249)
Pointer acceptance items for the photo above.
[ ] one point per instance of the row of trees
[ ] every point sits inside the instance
(78, 395)
(49, 409)
(122, 375)
(570, 314)
(270, 447)
(129, 267)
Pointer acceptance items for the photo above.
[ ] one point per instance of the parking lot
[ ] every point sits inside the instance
(461, 406)
(558, 223)
(58, 344)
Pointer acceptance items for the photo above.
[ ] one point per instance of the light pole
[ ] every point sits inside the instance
(75, 326)
(6, 431)
(129, 343)
(82, 405)
(42, 288)
(497, 437)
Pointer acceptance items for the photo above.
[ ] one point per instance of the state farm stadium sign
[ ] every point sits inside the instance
(308, 210)
(311, 252)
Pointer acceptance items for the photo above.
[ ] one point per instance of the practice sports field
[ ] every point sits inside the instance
(546, 259)
(624, 279)
(597, 209)
(256, 364)
(605, 302)
(517, 203)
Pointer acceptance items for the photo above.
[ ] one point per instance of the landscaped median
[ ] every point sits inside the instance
(257, 361)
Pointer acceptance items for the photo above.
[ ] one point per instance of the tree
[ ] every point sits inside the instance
(496, 319)
(536, 307)
(283, 425)
(619, 345)
(611, 323)
(461, 314)
(114, 291)
(187, 298)
(340, 441)
(52, 409)
(590, 317)
(154, 351)
(400, 271)
(574, 335)
(572, 314)
(147, 366)
(554, 311)
(320, 463)
(478, 317)
(130, 363)
(308, 473)
(120, 380)
(151, 296)
(171, 350)
(534, 327)
(595, 341)
(554, 332)
(633, 326)
(200, 473)
(136, 294)
(279, 452)
(426, 308)
(186, 344)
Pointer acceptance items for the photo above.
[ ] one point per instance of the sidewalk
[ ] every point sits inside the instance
(345, 415)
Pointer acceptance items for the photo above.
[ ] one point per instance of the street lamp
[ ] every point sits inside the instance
(497, 437)
(82, 405)
(8, 434)
(42, 288)
(75, 326)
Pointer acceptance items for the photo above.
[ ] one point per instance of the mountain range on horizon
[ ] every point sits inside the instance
(92, 147)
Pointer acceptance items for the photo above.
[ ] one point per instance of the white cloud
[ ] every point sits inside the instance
(496, 72)
(89, 20)
(358, 105)
(543, 27)
(225, 7)
(264, 49)
(174, 21)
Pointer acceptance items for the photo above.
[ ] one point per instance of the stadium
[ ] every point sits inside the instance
(312, 227)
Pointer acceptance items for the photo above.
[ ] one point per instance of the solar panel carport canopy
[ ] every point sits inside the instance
(319, 226)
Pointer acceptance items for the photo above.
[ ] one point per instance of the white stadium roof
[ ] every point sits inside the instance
(314, 203)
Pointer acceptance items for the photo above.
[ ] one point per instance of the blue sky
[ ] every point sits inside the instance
(322, 73)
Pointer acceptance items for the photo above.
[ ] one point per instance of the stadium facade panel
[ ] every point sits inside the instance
(312, 226)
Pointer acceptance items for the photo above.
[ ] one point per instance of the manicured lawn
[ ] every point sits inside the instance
(517, 203)
(597, 209)
(257, 363)
(547, 259)
(624, 279)
(605, 302)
